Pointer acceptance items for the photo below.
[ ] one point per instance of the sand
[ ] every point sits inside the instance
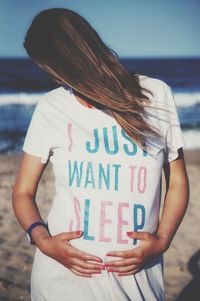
(182, 260)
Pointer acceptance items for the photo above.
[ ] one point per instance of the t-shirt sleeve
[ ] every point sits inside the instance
(174, 136)
(37, 140)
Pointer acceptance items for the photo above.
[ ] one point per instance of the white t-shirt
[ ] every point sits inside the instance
(105, 185)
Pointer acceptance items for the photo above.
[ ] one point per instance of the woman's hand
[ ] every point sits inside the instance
(134, 260)
(59, 248)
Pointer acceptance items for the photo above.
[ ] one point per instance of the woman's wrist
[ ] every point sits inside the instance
(39, 234)
(164, 242)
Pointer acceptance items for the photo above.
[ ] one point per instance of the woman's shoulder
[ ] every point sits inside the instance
(50, 100)
(152, 83)
(55, 92)
(161, 92)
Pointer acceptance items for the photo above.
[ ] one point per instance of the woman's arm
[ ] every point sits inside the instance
(57, 247)
(24, 191)
(176, 198)
(152, 245)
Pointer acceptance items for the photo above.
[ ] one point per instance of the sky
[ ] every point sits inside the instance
(144, 28)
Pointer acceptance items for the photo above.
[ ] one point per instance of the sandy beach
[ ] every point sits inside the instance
(182, 260)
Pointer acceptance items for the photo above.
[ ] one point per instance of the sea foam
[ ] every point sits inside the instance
(20, 98)
(182, 99)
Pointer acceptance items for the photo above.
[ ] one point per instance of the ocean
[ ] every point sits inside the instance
(22, 84)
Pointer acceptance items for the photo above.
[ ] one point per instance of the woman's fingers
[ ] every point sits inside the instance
(83, 262)
(132, 272)
(124, 254)
(124, 266)
(121, 262)
(73, 252)
(122, 269)
(87, 265)
(86, 256)
(81, 274)
(85, 271)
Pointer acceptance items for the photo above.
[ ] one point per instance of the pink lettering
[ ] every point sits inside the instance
(69, 132)
(142, 179)
(103, 221)
(121, 222)
(77, 214)
(138, 179)
(132, 178)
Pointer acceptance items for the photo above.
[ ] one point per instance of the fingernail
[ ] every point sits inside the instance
(101, 267)
(129, 233)
(99, 260)
(79, 232)
(110, 270)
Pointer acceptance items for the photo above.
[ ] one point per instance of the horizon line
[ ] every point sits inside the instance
(123, 57)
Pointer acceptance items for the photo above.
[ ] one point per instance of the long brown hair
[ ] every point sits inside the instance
(63, 43)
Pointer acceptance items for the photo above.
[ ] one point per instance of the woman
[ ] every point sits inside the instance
(109, 135)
